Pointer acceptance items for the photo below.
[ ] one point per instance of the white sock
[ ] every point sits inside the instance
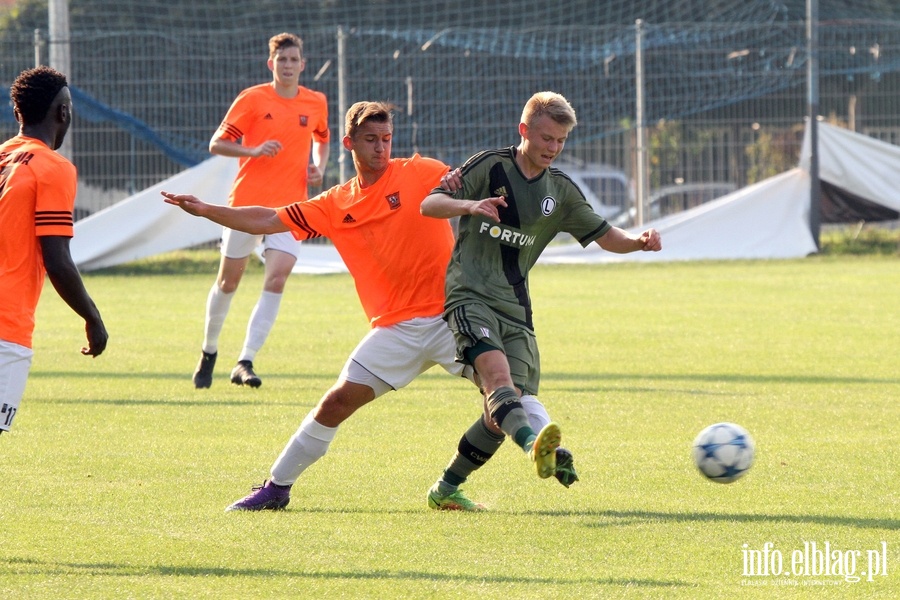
(261, 321)
(307, 445)
(537, 414)
(217, 305)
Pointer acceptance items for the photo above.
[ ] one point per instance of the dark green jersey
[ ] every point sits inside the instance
(491, 261)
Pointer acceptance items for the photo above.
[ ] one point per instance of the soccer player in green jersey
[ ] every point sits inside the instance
(511, 204)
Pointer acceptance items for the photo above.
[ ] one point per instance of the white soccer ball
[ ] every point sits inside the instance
(723, 452)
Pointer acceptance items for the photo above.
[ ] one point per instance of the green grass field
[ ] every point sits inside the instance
(117, 472)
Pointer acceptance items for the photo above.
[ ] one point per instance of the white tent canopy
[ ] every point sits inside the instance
(143, 225)
(859, 164)
(769, 219)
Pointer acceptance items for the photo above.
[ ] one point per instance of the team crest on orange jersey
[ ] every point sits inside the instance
(304, 120)
(393, 200)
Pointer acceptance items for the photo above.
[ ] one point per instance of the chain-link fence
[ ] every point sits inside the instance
(724, 102)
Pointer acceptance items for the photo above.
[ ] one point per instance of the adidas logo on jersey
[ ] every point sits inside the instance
(349, 219)
(501, 191)
(268, 117)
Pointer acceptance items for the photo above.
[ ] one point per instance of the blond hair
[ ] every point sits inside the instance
(551, 104)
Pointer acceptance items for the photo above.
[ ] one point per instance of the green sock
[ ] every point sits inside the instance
(507, 411)
(445, 489)
(525, 438)
(477, 445)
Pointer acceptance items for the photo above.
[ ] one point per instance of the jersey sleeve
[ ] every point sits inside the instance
(309, 219)
(55, 200)
(237, 119)
(471, 174)
(321, 133)
(428, 172)
(581, 221)
(476, 178)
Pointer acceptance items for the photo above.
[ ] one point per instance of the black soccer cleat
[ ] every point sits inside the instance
(565, 467)
(243, 374)
(203, 374)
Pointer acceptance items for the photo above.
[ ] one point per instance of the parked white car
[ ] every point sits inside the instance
(673, 199)
(607, 189)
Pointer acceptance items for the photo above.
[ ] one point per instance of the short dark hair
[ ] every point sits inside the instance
(359, 113)
(33, 92)
(284, 40)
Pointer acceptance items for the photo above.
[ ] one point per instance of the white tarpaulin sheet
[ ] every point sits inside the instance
(143, 225)
(857, 163)
(767, 220)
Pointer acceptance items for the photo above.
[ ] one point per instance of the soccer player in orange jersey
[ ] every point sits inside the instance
(37, 198)
(271, 128)
(398, 260)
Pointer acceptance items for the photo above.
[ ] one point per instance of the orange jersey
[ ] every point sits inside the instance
(37, 197)
(397, 257)
(259, 114)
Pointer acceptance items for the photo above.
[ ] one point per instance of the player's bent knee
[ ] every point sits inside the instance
(342, 401)
(229, 286)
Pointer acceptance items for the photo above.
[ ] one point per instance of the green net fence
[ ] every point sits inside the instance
(724, 95)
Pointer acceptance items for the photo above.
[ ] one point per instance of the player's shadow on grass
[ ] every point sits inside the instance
(203, 402)
(184, 376)
(548, 378)
(51, 568)
(617, 518)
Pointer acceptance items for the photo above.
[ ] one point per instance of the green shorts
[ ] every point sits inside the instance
(476, 325)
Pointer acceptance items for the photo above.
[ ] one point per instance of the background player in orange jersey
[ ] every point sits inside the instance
(37, 197)
(271, 128)
(398, 260)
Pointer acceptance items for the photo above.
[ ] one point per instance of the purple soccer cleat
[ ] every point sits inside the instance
(267, 496)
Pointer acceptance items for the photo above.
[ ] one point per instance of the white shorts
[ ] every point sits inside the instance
(15, 362)
(237, 244)
(399, 353)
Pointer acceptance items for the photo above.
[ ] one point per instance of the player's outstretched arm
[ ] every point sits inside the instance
(621, 242)
(442, 206)
(66, 280)
(249, 219)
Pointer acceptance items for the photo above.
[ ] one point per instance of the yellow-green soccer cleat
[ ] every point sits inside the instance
(543, 451)
(453, 501)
